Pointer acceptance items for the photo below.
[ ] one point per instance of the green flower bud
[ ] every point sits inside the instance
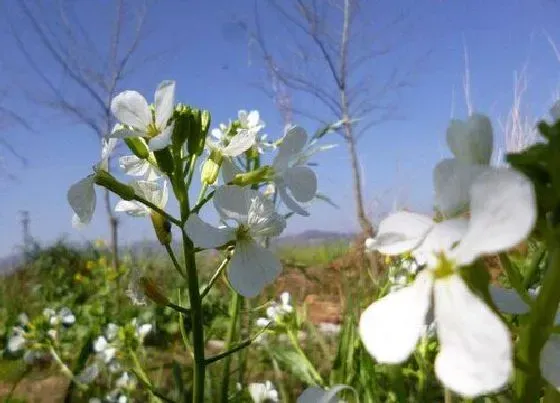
(164, 160)
(108, 181)
(260, 175)
(196, 138)
(138, 146)
(162, 228)
(182, 127)
(211, 168)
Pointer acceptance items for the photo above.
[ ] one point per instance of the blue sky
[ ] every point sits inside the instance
(207, 53)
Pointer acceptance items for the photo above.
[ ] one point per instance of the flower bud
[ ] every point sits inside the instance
(196, 137)
(162, 228)
(262, 174)
(164, 160)
(152, 291)
(182, 127)
(138, 146)
(108, 181)
(211, 168)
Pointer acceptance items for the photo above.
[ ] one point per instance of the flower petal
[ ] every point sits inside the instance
(107, 147)
(452, 182)
(162, 140)
(134, 166)
(400, 232)
(206, 236)
(263, 220)
(251, 268)
(440, 239)
(392, 325)
(121, 131)
(164, 102)
(291, 144)
(229, 170)
(82, 198)
(320, 395)
(132, 109)
(550, 361)
(507, 300)
(289, 201)
(503, 212)
(241, 142)
(131, 207)
(475, 355)
(472, 141)
(233, 202)
(302, 182)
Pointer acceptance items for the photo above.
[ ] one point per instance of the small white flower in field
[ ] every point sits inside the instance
(263, 322)
(66, 316)
(475, 355)
(89, 374)
(153, 192)
(134, 166)
(23, 319)
(290, 173)
(471, 141)
(111, 331)
(81, 195)
(105, 351)
(555, 111)
(142, 330)
(263, 392)
(276, 311)
(48, 313)
(17, 341)
(252, 266)
(133, 111)
(319, 395)
(126, 381)
(52, 334)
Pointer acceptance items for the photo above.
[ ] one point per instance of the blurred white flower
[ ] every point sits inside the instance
(230, 146)
(290, 173)
(81, 195)
(475, 356)
(471, 141)
(104, 350)
(250, 120)
(153, 192)
(17, 340)
(126, 381)
(253, 215)
(315, 394)
(23, 319)
(263, 392)
(89, 374)
(133, 111)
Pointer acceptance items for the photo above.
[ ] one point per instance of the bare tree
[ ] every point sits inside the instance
(332, 36)
(83, 75)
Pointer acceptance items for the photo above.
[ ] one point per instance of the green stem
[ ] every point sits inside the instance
(196, 320)
(234, 308)
(528, 380)
(295, 343)
(192, 164)
(202, 202)
(176, 264)
(201, 193)
(144, 379)
(64, 369)
(215, 277)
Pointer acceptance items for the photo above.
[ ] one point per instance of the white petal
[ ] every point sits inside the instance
(121, 131)
(440, 239)
(550, 361)
(251, 268)
(164, 102)
(107, 147)
(392, 325)
(132, 109)
(294, 140)
(206, 236)
(503, 212)
(319, 395)
(233, 202)
(241, 142)
(242, 117)
(82, 198)
(507, 300)
(131, 207)
(134, 166)
(254, 120)
(471, 141)
(151, 191)
(475, 355)
(229, 170)
(401, 232)
(289, 201)
(263, 220)
(452, 183)
(302, 182)
(162, 140)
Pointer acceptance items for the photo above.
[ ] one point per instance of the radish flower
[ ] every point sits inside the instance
(471, 141)
(150, 191)
(263, 392)
(475, 356)
(133, 111)
(252, 217)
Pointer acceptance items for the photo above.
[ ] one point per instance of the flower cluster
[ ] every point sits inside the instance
(475, 356)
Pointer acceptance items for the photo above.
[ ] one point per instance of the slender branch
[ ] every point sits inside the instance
(176, 264)
(215, 277)
(199, 205)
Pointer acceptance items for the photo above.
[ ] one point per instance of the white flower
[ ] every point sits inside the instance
(290, 174)
(125, 381)
(111, 331)
(23, 319)
(134, 166)
(276, 312)
(263, 392)
(471, 141)
(153, 192)
(105, 351)
(252, 266)
(250, 120)
(475, 355)
(89, 374)
(143, 330)
(231, 146)
(319, 395)
(17, 341)
(81, 195)
(133, 111)
(263, 322)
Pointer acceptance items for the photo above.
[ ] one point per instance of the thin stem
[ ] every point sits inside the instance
(238, 347)
(184, 335)
(215, 277)
(196, 319)
(202, 202)
(201, 193)
(191, 170)
(295, 343)
(234, 308)
(143, 378)
(176, 264)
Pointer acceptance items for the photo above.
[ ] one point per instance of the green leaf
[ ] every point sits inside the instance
(292, 362)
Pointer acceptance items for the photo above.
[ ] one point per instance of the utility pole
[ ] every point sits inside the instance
(26, 233)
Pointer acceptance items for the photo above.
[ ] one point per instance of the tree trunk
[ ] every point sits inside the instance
(363, 220)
